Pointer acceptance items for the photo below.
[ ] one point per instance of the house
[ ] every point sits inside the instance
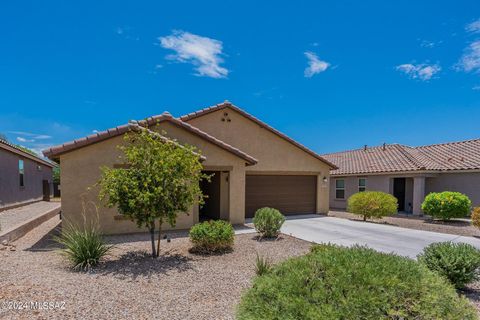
(253, 166)
(408, 173)
(24, 177)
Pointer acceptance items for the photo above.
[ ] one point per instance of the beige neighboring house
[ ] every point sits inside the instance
(253, 164)
(408, 173)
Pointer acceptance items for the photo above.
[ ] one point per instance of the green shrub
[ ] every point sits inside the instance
(268, 222)
(458, 262)
(212, 236)
(372, 204)
(262, 265)
(352, 283)
(447, 205)
(476, 217)
(84, 247)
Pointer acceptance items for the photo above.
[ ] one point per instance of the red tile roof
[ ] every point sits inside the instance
(56, 151)
(463, 155)
(5, 145)
(262, 124)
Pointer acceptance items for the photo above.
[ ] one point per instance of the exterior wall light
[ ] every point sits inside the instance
(325, 179)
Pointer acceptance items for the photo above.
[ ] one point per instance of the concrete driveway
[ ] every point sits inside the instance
(386, 238)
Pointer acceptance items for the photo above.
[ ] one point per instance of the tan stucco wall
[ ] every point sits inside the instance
(275, 155)
(80, 169)
(467, 183)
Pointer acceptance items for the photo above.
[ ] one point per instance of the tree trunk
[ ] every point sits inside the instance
(364, 218)
(152, 238)
(159, 236)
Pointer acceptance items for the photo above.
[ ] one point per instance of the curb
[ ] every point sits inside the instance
(19, 231)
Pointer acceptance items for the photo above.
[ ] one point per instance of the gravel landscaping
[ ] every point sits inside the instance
(130, 284)
(459, 227)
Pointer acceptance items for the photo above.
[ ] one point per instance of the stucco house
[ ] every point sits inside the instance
(24, 177)
(253, 164)
(408, 173)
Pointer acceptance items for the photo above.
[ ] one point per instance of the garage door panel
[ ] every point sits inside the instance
(289, 194)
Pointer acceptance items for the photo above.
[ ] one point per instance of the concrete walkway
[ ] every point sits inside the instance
(385, 238)
(14, 223)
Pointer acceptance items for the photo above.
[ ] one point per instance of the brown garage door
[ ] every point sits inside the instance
(289, 194)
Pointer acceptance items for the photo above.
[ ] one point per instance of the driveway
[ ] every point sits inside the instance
(381, 237)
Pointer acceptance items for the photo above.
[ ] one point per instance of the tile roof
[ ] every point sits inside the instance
(262, 124)
(56, 151)
(462, 155)
(5, 145)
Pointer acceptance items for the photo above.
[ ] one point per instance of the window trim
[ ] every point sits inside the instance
(359, 186)
(344, 189)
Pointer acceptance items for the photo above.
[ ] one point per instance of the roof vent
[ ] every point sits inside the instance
(384, 146)
(365, 148)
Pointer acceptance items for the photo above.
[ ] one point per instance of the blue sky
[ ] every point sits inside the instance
(334, 75)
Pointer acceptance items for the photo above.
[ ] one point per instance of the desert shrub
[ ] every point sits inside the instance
(352, 283)
(212, 236)
(476, 217)
(446, 205)
(83, 246)
(262, 265)
(372, 204)
(268, 222)
(458, 262)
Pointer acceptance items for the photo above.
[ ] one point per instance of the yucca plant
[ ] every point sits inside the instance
(84, 248)
(83, 245)
(262, 265)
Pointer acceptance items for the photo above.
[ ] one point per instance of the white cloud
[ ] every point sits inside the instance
(30, 135)
(476, 88)
(473, 27)
(204, 53)
(315, 65)
(470, 61)
(21, 139)
(422, 71)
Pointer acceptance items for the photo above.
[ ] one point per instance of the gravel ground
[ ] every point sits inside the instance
(16, 216)
(458, 227)
(130, 284)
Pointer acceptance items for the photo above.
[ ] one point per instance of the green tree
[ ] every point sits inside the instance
(159, 180)
(56, 174)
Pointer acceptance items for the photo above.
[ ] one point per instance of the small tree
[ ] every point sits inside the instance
(372, 204)
(159, 180)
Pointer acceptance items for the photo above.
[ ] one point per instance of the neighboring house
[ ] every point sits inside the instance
(408, 173)
(24, 177)
(253, 164)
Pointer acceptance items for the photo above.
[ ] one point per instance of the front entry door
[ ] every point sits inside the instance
(399, 192)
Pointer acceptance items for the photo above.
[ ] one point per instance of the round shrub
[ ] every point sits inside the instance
(268, 222)
(476, 217)
(352, 283)
(372, 204)
(212, 236)
(458, 262)
(446, 205)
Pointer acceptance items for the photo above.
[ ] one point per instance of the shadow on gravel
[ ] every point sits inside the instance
(46, 243)
(142, 237)
(450, 223)
(135, 264)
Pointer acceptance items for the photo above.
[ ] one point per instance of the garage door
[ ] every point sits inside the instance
(289, 194)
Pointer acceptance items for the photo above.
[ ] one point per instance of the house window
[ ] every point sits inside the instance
(339, 189)
(21, 172)
(362, 184)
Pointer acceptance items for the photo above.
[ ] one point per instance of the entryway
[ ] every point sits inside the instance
(216, 192)
(403, 191)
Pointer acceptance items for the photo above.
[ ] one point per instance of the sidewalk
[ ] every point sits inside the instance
(14, 223)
